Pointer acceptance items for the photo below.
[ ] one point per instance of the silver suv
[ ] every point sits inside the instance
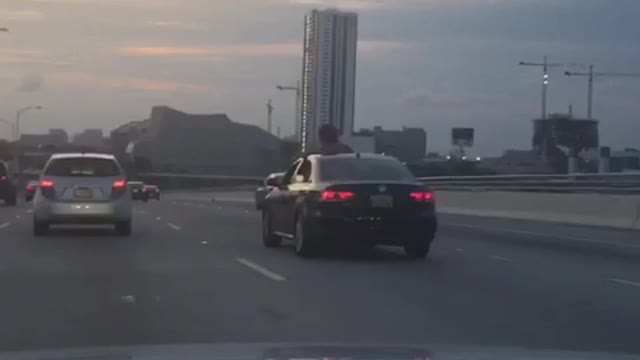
(82, 189)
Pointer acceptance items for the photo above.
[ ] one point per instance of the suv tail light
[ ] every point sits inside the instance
(47, 190)
(3, 179)
(337, 195)
(119, 188)
(422, 196)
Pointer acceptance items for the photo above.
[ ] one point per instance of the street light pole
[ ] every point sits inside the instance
(298, 110)
(17, 133)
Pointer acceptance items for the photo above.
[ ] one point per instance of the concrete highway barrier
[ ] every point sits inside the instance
(615, 211)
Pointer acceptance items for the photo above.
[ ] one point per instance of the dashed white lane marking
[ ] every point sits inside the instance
(459, 250)
(17, 216)
(501, 258)
(204, 242)
(29, 211)
(158, 218)
(4, 225)
(266, 272)
(626, 282)
(174, 226)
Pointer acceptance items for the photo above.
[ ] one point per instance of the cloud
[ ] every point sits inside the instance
(285, 49)
(24, 57)
(174, 25)
(31, 83)
(97, 81)
(388, 4)
(21, 15)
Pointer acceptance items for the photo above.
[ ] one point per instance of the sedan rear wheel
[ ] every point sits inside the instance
(269, 239)
(305, 242)
(419, 249)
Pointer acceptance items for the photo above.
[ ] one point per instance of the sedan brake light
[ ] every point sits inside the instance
(422, 196)
(330, 195)
(119, 188)
(47, 190)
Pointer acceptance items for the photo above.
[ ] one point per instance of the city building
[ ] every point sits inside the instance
(329, 77)
(56, 137)
(561, 137)
(89, 137)
(408, 144)
(174, 141)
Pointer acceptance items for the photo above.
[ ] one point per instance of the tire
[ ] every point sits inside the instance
(269, 239)
(306, 244)
(124, 228)
(40, 228)
(419, 249)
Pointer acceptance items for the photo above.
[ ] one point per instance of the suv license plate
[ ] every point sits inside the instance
(382, 201)
(83, 193)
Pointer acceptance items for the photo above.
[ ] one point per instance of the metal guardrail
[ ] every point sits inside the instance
(611, 183)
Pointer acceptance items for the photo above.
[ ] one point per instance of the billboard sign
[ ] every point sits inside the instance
(462, 137)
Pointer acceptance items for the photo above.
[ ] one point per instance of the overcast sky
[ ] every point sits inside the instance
(435, 64)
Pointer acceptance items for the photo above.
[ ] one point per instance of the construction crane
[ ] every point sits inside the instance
(545, 65)
(591, 75)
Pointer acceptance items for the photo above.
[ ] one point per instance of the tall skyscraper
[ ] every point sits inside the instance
(328, 74)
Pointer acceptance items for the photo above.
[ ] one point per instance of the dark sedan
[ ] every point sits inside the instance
(152, 191)
(270, 183)
(137, 190)
(350, 199)
(30, 190)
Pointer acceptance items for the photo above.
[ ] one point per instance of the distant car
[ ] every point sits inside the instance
(7, 187)
(137, 190)
(152, 191)
(82, 189)
(269, 184)
(364, 200)
(30, 190)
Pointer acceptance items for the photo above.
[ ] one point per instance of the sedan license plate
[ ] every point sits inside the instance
(382, 201)
(83, 193)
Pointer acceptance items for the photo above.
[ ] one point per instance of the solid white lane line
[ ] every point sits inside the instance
(527, 233)
(4, 225)
(174, 226)
(626, 282)
(266, 272)
(501, 258)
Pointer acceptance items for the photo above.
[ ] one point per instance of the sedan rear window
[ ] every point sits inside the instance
(3, 170)
(363, 169)
(90, 167)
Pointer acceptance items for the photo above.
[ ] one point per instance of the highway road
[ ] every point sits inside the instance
(195, 271)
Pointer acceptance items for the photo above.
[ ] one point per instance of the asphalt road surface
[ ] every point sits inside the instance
(195, 271)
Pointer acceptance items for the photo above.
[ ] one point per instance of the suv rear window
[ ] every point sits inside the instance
(363, 169)
(3, 170)
(90, 167)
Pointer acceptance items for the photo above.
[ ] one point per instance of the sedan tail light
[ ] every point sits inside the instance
(422, 196)
(119, 187)
(337, 195)
(3, 179)
(47, 189)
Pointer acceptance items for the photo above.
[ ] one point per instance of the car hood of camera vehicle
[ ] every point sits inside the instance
(287, 351)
